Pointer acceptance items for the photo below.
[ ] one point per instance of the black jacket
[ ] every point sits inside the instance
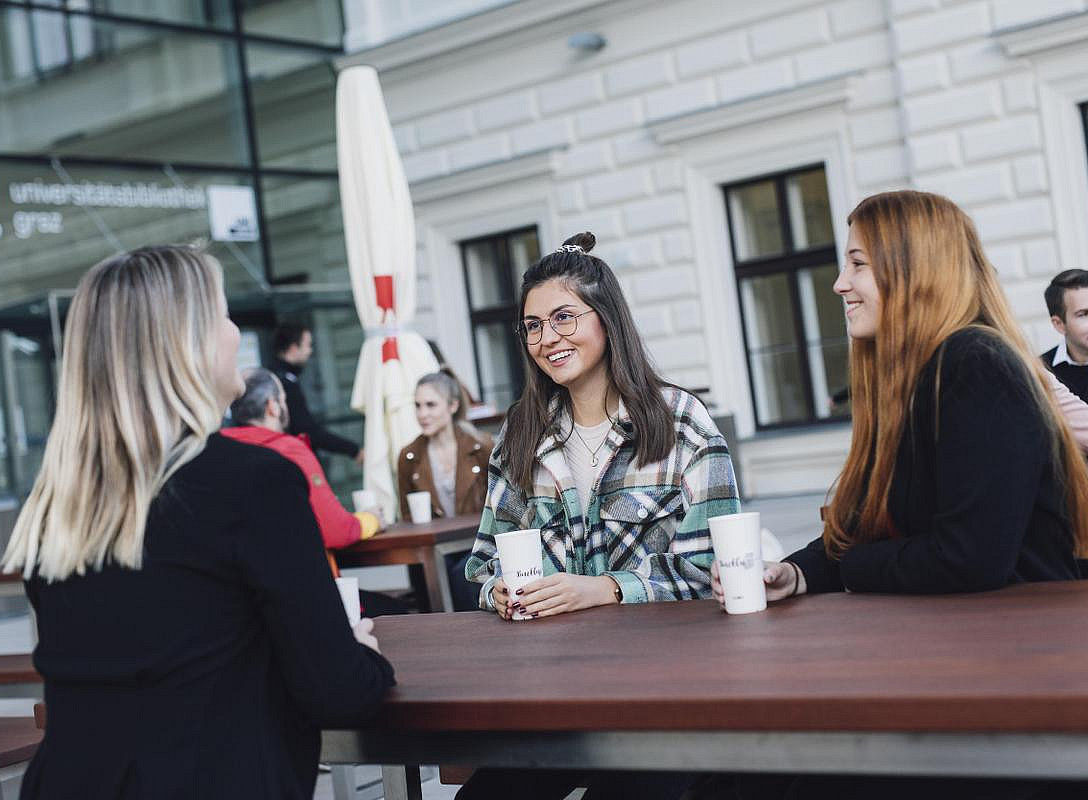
(975, 501)
(301, 420)
(209, 672)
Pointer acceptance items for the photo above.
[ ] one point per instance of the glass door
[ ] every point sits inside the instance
(26, 380)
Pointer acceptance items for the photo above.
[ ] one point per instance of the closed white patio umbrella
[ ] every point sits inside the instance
(379, 229)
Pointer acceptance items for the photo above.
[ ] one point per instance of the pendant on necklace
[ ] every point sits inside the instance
(593, 460)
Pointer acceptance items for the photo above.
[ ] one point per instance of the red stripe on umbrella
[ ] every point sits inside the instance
(383, 288)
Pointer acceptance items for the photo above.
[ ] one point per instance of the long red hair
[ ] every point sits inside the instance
(934, 279)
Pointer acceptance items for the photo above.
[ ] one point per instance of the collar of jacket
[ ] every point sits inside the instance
(254, 434)
(550, 450)
(278, 364)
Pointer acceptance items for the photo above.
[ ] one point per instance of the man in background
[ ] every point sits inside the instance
(293, 346)
(260, 418)
(1067, 302)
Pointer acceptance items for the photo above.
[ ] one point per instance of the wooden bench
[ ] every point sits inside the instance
(18, 668)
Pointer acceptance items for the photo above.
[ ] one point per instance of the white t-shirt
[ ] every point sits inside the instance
(581, 448)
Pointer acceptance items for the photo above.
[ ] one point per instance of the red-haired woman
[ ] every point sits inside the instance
(962, 475)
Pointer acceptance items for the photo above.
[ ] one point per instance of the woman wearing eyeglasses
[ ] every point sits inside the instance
(619, 469)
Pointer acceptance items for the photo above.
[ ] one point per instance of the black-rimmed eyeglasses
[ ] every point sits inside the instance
(563, 322)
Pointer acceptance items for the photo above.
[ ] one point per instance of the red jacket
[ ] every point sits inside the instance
(339, 527)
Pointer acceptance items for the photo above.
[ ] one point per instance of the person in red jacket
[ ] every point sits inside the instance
(260, 417)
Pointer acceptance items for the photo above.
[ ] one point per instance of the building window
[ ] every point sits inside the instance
(493, 269)
(1084, 117)
(794, 329)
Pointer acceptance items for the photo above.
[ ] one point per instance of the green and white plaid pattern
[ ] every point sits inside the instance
(645, 527)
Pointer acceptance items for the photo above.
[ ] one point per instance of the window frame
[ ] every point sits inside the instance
(501, 313)
(1084, 122)
(789, 262)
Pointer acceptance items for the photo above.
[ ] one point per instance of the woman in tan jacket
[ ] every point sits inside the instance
(449, 460)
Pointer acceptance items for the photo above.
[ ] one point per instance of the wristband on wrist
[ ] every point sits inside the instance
(617, 592)
(796, 578)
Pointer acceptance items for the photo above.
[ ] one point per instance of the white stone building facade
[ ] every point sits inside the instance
(503, 125)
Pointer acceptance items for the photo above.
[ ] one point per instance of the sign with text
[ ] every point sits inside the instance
(232, 213)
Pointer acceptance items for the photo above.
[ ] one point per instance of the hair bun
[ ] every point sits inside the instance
(585, 240)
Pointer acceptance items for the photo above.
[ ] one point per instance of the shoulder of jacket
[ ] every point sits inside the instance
(414, 451)
(250, 460)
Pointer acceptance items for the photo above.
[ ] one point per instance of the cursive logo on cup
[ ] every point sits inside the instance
(747, 561)
(532, 572)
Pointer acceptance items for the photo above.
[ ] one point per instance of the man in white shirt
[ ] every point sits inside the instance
(1067, 302)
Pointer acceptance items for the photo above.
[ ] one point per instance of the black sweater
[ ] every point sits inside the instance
(301, 420)
(210, 671)
(974, 500)
(1072, 375)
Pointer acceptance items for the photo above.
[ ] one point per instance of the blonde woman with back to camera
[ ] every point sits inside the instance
(191, 640)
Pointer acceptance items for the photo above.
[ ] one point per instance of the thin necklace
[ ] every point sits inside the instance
(593, 460)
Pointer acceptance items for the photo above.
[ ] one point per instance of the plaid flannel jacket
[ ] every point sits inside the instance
(646, 527)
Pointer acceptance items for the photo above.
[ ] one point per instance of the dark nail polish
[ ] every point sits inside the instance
(519, 591)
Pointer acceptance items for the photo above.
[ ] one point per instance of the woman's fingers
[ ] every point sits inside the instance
(500, 597)
(363, 634)
(779, 580)
(716, 582)
(544, 601)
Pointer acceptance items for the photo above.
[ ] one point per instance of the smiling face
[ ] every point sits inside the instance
(570, 360)
(433, 412)
(856, 285)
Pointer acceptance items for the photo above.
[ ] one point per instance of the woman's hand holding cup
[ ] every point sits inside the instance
(779, 577)
(500, 597)
(563, 592)
(364, 634)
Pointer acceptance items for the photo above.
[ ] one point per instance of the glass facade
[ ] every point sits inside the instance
(794, 329)
(128, 123)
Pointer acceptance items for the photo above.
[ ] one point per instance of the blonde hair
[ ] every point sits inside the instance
(934, 280)
(136, 401)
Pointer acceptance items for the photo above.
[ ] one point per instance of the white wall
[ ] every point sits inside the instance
(687, 95)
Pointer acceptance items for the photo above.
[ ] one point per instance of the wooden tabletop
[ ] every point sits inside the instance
(1014, 660)
(428, 534)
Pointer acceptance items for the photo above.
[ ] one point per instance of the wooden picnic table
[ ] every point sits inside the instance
(426, 544)
(987, 684)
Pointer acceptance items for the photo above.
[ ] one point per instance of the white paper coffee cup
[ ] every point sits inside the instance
(364, 500)
(349, 596)
(739, 553)
(419, 506)
(521, 559)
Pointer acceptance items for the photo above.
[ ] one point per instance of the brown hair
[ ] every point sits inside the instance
(629, 369)
(934, 279)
